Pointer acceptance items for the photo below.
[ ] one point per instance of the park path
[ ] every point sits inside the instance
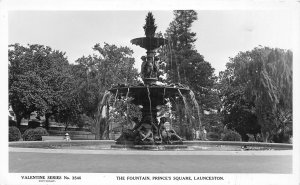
(109, 161)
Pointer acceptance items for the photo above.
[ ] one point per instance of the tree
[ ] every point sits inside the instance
(70, 111)
(260, 82)
(123, 111)
(238, 111)
(181, 43)
(183, 64)
(96, 74)
(37, 78)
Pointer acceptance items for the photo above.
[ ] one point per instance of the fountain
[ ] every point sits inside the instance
(106, 156)
(150, 95)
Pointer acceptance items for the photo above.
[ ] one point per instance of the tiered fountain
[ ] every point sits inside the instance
(149, 95)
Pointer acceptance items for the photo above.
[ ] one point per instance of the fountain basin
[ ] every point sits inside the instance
(187, 145)
(150, 147)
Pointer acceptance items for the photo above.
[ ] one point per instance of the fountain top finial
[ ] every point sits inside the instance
(150, 26)
(149, 42)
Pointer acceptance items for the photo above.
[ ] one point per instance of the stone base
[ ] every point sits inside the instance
(150, 147)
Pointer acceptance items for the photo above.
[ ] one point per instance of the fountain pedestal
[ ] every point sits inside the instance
(150, 81)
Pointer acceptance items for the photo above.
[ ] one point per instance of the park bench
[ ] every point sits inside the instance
(52, 138)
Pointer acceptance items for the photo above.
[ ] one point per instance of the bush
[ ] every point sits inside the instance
(12, 123)
(33, 124)
(281, 138)
(231, 135)
(14, 134)
(189, 134)
(34, 134)
(42, 131)
(213, 136)
(251, 138)
(28, 135)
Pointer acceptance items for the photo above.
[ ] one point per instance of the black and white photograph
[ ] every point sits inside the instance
(174, 92)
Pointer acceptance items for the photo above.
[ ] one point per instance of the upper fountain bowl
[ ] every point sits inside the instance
(149, 43)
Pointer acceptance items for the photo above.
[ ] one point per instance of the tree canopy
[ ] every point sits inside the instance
(95, 74)
(38, 79)
(182, 63)
(259, 82)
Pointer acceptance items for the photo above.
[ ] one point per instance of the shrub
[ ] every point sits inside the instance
(34, 134)
(33, 124)
(12, 123)
(251, 137)
(189, 134)
(213, 136)
(281, 138)
(231, 135)
(42, 131)
(14, 134)
(27, 135)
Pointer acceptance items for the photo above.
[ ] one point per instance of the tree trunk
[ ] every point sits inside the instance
(178, 72)
(19, 119)
(107, 120)
(105, 134)
(107, 129)
(47, 121)
(66, 127)
(97, 128)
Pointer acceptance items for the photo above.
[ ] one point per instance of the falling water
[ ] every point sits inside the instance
(170, 111)
(196, 105)
(149, 103)
(115, 98)
(185, 104)
(164, 95)
(170, 49)
(108, 125)
(105, 98)
(98, 115)
(113, 106)
(127, 107)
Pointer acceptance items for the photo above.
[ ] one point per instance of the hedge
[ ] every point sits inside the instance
(34, 134)
(14, 134)
(231, 135)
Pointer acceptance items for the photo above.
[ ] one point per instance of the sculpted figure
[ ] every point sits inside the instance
(143, 66)
(155, 67)
(168, 136)
(147, 67)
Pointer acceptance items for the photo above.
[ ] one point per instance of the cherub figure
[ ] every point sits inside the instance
(155, 66)
(147, 67)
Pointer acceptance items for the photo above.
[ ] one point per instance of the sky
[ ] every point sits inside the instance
(220, 33)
